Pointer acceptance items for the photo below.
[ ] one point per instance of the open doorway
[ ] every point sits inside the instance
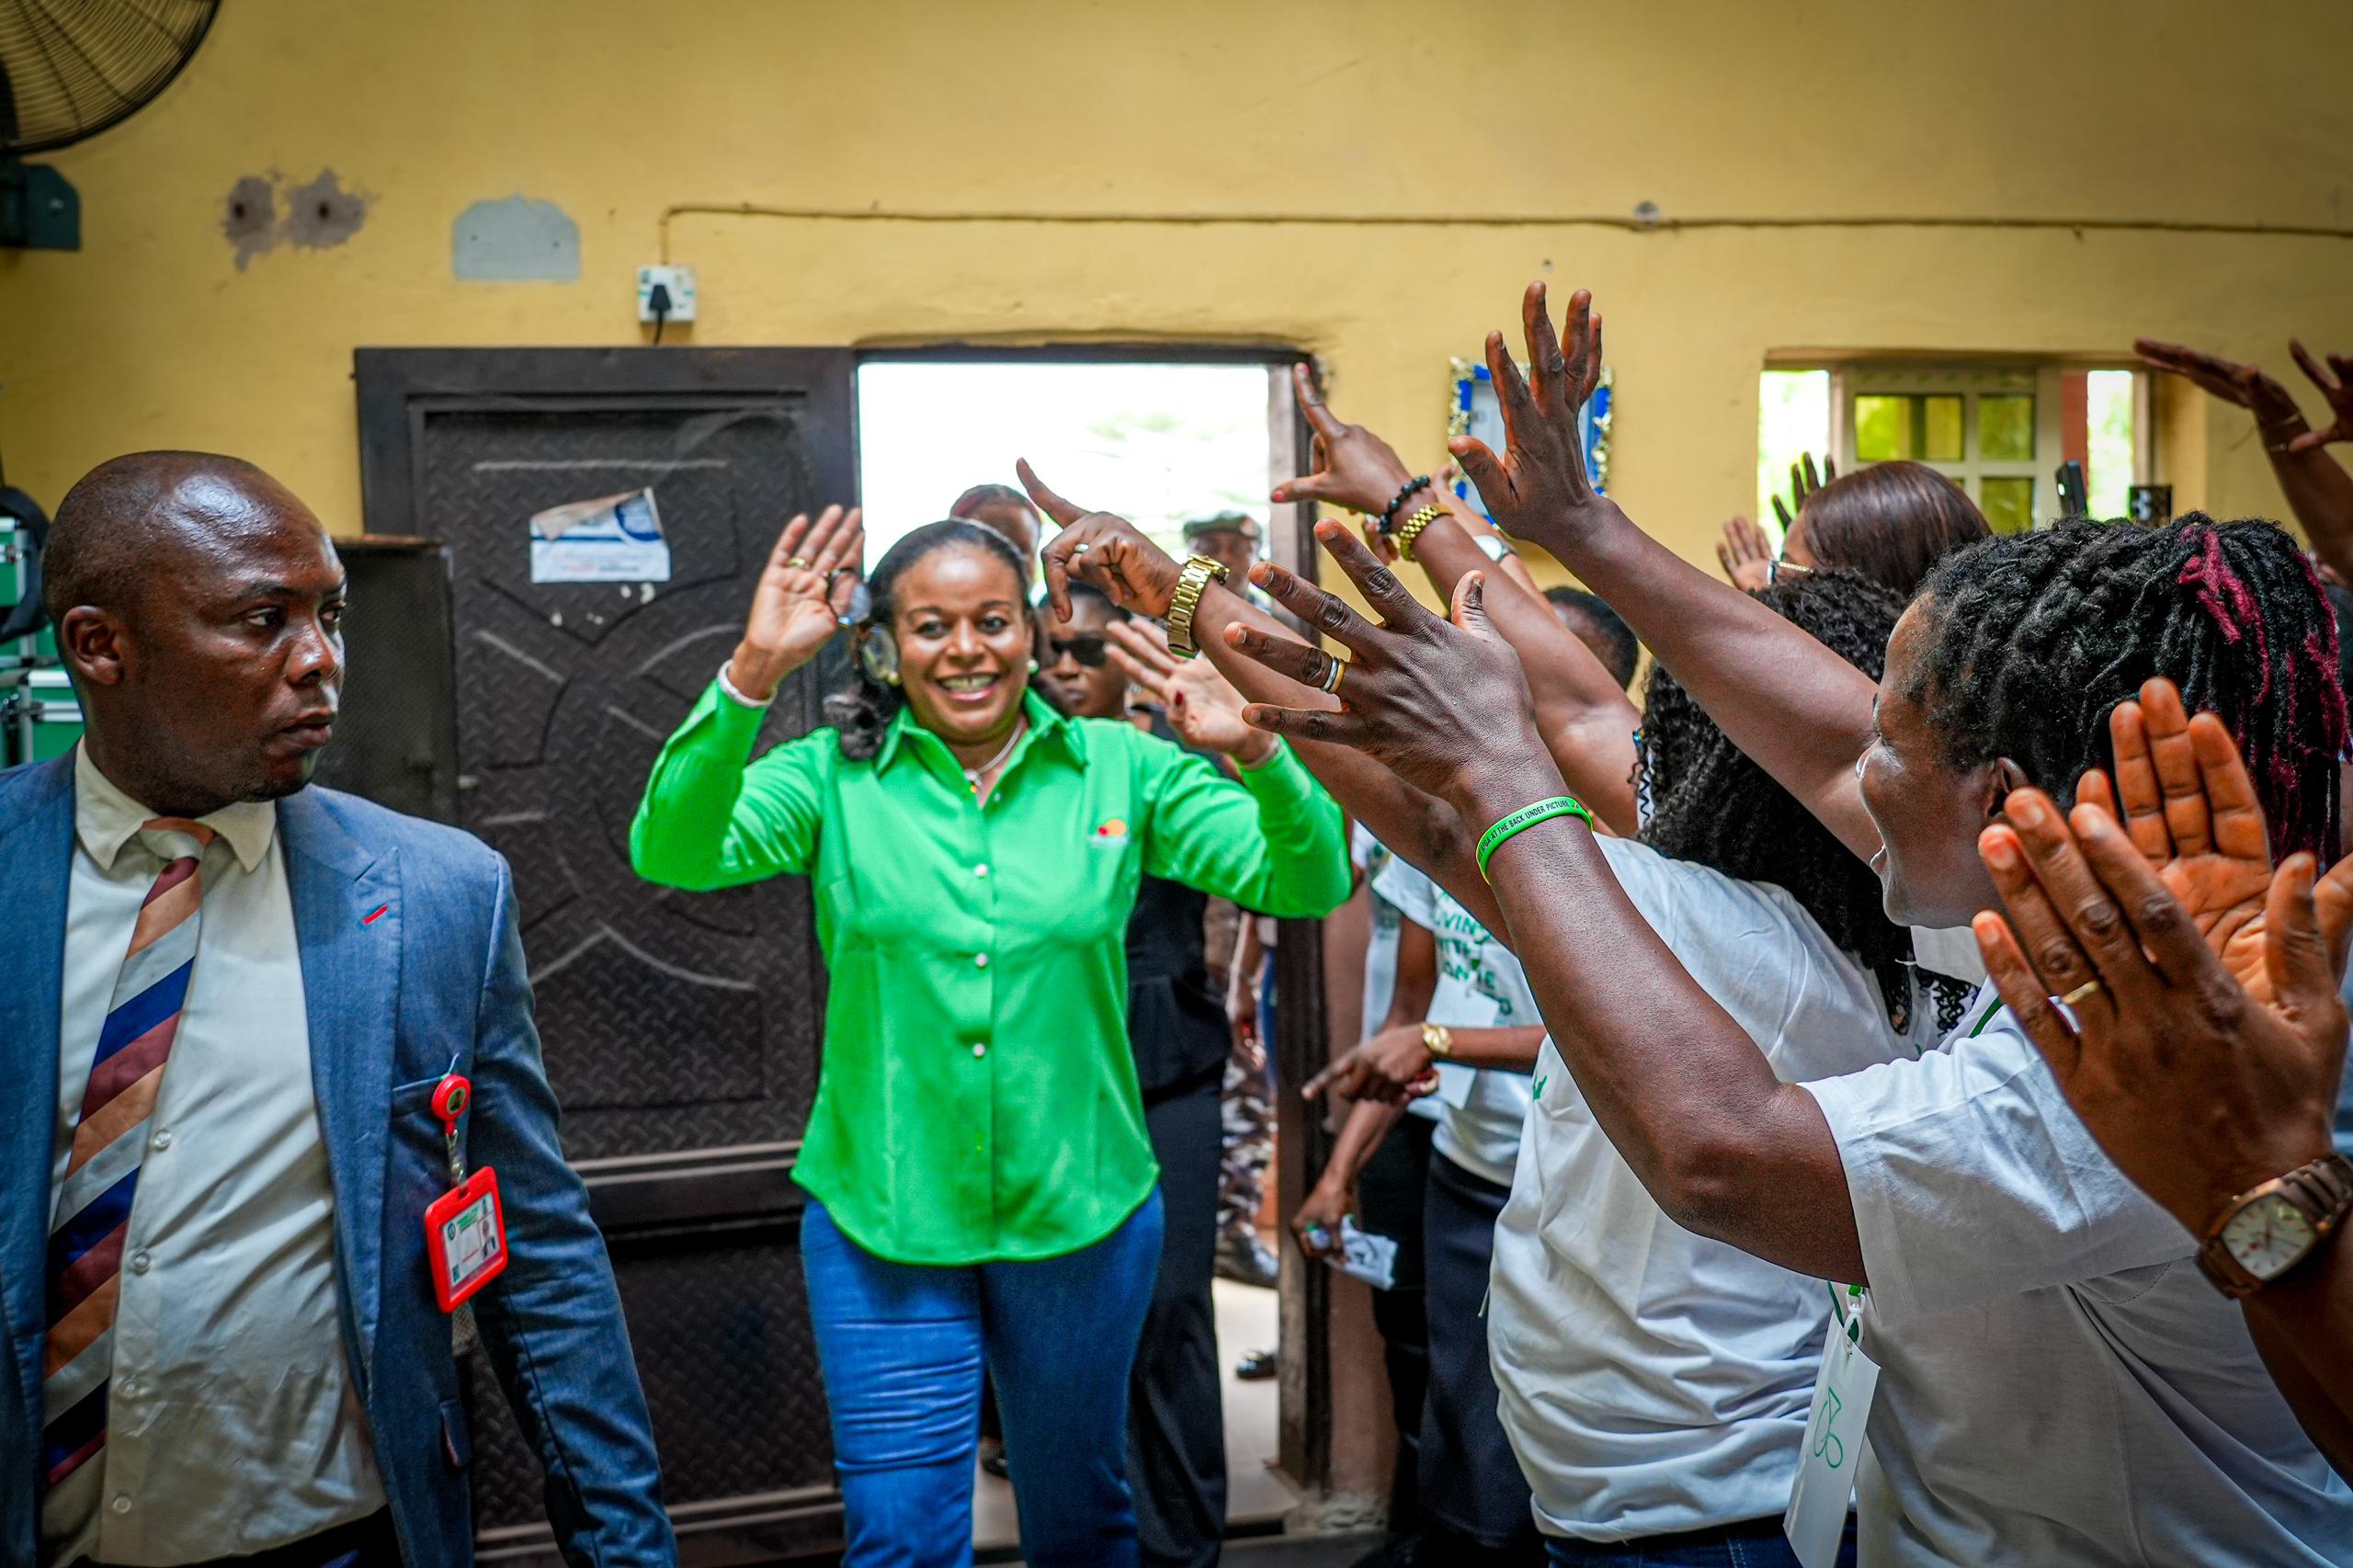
(1163, 438)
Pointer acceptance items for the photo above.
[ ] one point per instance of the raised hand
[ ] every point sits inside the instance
(1745, 554)
(2198, 1083)
(1354, 468)
(1538, 486)
(2244, 385)
(1202, 706)
(2187, 804)
(1803, 482)
(803, 593)
(1442, 704)
(2335, 384)
(1102, 548)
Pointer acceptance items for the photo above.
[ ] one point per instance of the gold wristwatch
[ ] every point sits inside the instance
(1438, 1041)
(1191, 583)
(2268, 1230)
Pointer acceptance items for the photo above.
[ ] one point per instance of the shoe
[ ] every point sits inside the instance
(992, 1458)
(1245, 1260)
(1256, 1367)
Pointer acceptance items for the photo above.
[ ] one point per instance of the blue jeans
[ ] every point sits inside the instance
(1757, 1543)
(903, 1346)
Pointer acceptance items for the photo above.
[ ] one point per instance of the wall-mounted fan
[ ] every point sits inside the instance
(68, 70)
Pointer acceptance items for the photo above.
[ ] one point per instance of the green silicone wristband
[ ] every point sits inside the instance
(1528, 817)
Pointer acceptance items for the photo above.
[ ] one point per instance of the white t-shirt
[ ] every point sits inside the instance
(1371, 856)
(2060, 1384)
(1653, 1380)
(1480, 986)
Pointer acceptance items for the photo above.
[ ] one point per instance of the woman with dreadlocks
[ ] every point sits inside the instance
(2059, 1384)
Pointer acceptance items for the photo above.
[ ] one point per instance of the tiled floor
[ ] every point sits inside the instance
(1255, 1495)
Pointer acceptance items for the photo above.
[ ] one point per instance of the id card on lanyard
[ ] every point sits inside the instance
(465, 1232)
(1816, 1520)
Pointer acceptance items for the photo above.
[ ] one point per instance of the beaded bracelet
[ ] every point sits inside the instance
(1524, 818)
(1389, 512)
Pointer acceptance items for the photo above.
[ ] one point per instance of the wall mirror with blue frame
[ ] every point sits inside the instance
(1474, 411)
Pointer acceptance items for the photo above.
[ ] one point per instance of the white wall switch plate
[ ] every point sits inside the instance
(679, 280)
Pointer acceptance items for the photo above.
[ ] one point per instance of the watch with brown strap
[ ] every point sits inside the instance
(2268, 1229)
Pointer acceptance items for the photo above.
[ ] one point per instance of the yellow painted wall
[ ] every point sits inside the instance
(151, 335)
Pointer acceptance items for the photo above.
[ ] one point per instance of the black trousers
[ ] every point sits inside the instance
(1389, 1203)
(1176, 1411)
(1472, 1489)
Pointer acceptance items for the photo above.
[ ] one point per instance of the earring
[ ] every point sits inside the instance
(892, 679)
(1033, 666)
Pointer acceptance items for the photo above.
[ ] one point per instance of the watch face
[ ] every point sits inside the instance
(2268, 1236)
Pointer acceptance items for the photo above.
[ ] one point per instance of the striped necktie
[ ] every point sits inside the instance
(93, 1210)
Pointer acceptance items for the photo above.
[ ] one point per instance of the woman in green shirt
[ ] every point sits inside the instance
(980, 1182)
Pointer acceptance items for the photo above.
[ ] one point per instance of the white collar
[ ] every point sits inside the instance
(106, 819)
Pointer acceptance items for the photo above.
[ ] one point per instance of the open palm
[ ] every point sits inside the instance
(1203, 707)
(2184, 797)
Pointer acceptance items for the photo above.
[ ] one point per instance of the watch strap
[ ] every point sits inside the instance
(2322, 1190)
(1437, 1040)
(1192, 582)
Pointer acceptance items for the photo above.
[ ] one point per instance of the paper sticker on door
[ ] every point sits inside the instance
(613, 539)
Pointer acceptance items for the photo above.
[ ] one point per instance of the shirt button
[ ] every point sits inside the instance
(980, 960)
(122, 1503)
(127, 1389)
(980, 1047)
(163, 1139)
(139, 1261)
(982, 869)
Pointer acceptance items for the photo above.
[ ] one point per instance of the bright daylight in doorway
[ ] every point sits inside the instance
(1156, 442)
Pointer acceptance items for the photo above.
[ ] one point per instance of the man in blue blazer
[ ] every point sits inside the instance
(230, 1001)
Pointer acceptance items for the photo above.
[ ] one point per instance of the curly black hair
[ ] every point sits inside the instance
(2034, 638)
(863, 709)
(1711, 804)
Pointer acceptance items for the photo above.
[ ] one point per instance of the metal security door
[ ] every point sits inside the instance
(681, 1030)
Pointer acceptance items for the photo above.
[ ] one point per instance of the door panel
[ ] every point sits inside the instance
(681, 1030)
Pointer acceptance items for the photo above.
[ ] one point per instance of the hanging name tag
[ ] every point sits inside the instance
(465, 1233)
(1816, 1520)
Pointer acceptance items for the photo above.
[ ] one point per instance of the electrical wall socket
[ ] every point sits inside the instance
(679, 280)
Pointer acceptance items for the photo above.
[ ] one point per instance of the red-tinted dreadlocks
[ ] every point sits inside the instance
(2036, 638)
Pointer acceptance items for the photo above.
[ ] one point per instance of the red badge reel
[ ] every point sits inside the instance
(465, 1233)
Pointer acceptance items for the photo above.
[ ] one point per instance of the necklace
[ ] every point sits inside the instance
(973, 776)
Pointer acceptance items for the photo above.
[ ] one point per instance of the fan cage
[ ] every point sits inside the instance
(71, 68)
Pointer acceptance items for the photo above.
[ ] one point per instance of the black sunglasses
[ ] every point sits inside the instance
(1088, 651)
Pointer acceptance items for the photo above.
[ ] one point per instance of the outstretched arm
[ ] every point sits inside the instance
(1581, 712)
(1801, 711)
(1109, 551)
(1725, 1147)
(2318, 490)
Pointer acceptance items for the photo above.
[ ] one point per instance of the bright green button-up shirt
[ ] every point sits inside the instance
(977, 1099)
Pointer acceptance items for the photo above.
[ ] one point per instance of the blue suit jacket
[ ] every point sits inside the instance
(439, 973)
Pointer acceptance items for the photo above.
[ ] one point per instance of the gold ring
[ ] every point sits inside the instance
(797, 562)
(1334, 675)
(2079, 992)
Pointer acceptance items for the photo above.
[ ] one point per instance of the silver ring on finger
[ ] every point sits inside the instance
(1336, 671)
(1081, 548)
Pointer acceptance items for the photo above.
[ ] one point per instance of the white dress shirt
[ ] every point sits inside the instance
(232, 1425)
(1653, 1380)
(2059, 1382)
